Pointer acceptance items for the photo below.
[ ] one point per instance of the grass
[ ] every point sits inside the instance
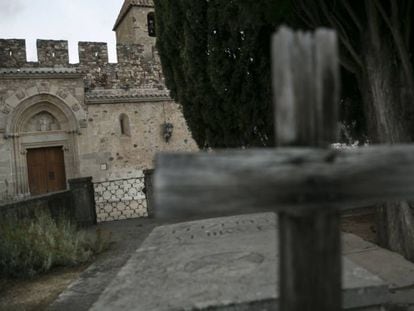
(31, 247)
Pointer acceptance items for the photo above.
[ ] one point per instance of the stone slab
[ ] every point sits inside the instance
(391, 267)
(126, 237)
(227, 263)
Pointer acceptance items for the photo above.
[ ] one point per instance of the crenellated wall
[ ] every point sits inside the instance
(12, 53)
(135, 68)
(52, 53)
(87, 99)
(93, 54)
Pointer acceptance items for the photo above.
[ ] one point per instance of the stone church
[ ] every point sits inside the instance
(60, 121)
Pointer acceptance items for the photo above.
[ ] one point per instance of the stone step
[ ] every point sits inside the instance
(230, 263)
(392, 268)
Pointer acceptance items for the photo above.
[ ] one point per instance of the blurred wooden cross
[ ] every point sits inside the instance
(303, 180)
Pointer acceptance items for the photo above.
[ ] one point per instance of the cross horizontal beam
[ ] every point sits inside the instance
(293, 179)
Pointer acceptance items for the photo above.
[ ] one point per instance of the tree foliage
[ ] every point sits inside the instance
(376, 49)
(216, 59)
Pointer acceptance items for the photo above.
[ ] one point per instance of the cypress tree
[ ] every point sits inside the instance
(216, 59)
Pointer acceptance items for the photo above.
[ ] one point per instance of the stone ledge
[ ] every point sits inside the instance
(391, 267)
(40, 73)
(225, 263)
(120, 96)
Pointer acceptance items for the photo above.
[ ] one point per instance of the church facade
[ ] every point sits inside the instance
(60, 121)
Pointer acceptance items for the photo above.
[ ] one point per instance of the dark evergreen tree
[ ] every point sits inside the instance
(216, 59)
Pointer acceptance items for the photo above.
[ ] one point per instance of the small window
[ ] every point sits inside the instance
(124, 124)
(151, 24)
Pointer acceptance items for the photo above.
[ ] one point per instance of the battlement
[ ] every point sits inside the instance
(93, 53)
(12, 53)
(136, 67)
(51, 53)
(55, 53)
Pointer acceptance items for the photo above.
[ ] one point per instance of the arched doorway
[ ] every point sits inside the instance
(43, 130)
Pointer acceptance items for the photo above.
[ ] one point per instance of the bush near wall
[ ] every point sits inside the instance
(33, 246)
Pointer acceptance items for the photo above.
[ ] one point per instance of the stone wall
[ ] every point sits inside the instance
(6, 184)
(91, 102)
(120, 199)
(109, 154)
(90, 129)
(21, 98)
(12, 53)
(133, 27)
(52, 53)
(138, 65)
(76, 204)
(14, 90)
(57, 204)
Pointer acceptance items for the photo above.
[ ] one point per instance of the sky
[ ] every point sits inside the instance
(72, 20)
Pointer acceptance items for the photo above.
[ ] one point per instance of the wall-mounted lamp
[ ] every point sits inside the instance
(167, 131)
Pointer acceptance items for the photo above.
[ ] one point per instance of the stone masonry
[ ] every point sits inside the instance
(108, 118)
(134, 70)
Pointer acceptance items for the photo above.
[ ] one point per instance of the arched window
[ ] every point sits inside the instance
(151, 24)
(124, 124)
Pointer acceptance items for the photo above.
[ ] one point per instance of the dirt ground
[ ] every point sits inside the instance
(362, 225)
(36, 294)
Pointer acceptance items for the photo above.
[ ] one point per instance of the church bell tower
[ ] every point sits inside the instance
(136, 24)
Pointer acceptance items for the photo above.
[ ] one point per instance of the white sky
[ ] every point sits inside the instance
(72, 20)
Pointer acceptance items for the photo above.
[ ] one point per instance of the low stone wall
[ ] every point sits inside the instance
(57, 204)
(77, 204)
(120, 199)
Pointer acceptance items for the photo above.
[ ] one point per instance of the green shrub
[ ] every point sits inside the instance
(30, 247)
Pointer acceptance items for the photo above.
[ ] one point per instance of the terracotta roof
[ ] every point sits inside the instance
(128, 4)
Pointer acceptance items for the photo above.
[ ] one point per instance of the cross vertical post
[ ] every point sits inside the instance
(306, 95)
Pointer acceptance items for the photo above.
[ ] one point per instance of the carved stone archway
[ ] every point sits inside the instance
(41, 121)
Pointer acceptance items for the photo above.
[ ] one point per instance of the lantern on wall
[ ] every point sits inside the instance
(151, 24)
(167, 131)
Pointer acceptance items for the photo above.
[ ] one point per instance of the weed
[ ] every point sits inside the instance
(30, 247)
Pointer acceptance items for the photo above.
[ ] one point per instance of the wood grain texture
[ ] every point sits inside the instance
(306, 186)
(306, 87)
(327, 87)
(287, 179)
(46, 170)
(310, 262)
(310, 251)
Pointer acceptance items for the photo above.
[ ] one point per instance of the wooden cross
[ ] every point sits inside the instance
(307, 185)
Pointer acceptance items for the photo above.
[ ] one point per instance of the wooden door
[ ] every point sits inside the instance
(46, 170)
